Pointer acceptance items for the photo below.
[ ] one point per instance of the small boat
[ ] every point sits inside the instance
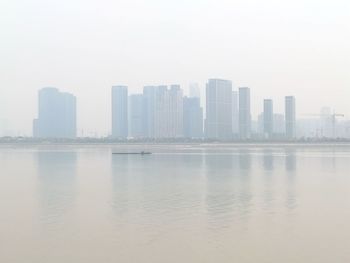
(139, 153)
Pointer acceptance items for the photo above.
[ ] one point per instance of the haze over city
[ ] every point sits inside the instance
(158, 131)
(276, 48)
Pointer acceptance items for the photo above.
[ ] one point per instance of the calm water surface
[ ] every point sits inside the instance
(180, 204)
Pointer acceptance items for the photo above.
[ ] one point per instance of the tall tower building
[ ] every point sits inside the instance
(235, 113)
(218, 123)
(175, 112)
(135, 115)
(193, 118)
(245, 118)
(149, 112)
(290, 117)
(162, 112)
(56, 115)
(120, 112)
(268, 118)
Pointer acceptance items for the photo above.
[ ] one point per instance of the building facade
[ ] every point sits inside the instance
(120, 112)
(163, 111)
(56, 115)
(290, 116)
(149, 110)
(235, 114)
(175, 112)
(135, 116)
(218, 123)
(268, 118)
(192, 118)
(245, 118)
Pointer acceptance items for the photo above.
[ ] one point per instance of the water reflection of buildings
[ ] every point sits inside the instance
(157, 188)
(268, 160)
(120, 176)
(291, 167)
(291, 160)
(269, 194)
(245, 194)
(228, 193)
(57, 183)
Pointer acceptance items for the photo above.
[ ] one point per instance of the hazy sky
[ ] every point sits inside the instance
(276, 47)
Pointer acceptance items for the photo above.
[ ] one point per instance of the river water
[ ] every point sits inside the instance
(183, 203)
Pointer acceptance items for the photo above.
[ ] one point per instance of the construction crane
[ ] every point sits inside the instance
(333, 117)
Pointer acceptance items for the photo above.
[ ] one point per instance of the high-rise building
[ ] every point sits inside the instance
(175, 112)
(245, 118)
(56, 115)
(162, 112)
(149, 112)
(235, 114)
(218, 123)
(120, 112)
(135, 115)
(290, 117)
(70, 119)
(193, 118)
(268, 118)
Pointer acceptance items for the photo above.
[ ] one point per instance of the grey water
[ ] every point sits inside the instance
(183, 203)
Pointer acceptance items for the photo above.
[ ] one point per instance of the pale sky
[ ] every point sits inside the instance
(275, 47)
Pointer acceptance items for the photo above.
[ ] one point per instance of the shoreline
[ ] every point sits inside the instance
(179, 144)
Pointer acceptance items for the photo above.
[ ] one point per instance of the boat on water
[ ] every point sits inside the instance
(134, 153)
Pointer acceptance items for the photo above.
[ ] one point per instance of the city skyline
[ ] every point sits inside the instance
(7, 127)
(165, 112)
(152, 131)
(276, 48)
(268, 124)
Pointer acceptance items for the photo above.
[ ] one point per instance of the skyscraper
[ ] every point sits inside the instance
(149, 112)
(244, 113)
(56, 115)
(235, 113)
(162, 109)
(135, 115)
(193, 118)
(120, 112)
(268, 118)
(290, 117)
(218, 123)
(175, 112)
